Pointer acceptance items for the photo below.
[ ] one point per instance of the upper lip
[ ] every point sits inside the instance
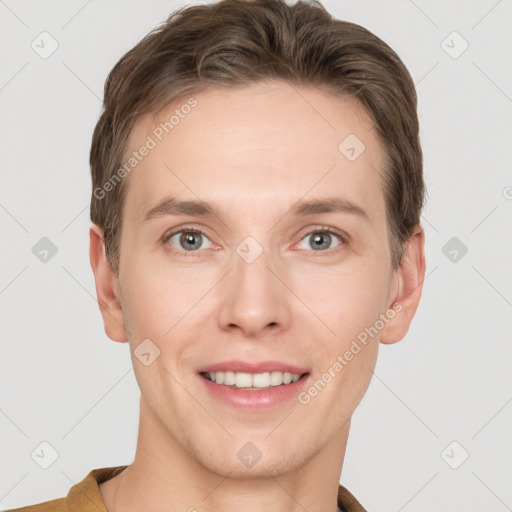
(237, 365)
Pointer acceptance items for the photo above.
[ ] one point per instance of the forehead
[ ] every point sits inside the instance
(255, 147)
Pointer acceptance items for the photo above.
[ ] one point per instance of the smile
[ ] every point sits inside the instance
(249, 381)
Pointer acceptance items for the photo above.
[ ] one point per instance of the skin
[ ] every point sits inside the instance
(253, 151)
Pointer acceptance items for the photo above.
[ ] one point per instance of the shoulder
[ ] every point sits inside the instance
(57, 505)
(84, 496)
(347, 502)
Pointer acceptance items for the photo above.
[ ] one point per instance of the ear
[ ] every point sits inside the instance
(107, 287)
(410, 276)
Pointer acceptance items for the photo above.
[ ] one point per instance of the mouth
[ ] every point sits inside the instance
(253, 381)
(253, 386)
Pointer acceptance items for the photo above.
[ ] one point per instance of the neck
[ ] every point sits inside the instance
(171, 477)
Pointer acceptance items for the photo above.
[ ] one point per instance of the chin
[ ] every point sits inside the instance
(262, 469)
(250, 461)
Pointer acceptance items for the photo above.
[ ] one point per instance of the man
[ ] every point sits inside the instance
(257, 190)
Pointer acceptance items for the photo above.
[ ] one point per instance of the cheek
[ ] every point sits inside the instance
(349, 303)
(158, 297)
(347, 298)
(160, 304)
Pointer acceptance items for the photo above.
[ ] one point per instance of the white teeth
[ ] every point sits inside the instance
(276, 378)
(261, 380)
(243, 380)
(257, 380)
(229, 378)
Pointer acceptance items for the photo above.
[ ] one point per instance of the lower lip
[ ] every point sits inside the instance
(254, 399)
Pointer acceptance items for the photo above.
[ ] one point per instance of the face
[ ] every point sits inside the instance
(268, 272)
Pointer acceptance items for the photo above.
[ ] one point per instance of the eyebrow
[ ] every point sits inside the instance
(173, 206)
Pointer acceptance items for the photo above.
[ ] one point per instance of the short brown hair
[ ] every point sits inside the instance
(236, 42)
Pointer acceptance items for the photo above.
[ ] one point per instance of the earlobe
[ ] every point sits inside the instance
(411, 275)
(107, 287)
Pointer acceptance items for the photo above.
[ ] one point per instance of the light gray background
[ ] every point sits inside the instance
(64, 382)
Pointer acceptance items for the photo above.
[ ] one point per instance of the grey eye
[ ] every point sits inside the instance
(321, 240)
(188, 240)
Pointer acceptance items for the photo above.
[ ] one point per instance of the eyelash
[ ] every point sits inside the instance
(321, 229)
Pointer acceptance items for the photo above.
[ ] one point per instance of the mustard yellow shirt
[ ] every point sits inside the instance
(85, 496)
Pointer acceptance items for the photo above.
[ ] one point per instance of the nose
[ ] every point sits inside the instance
(254, 299)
